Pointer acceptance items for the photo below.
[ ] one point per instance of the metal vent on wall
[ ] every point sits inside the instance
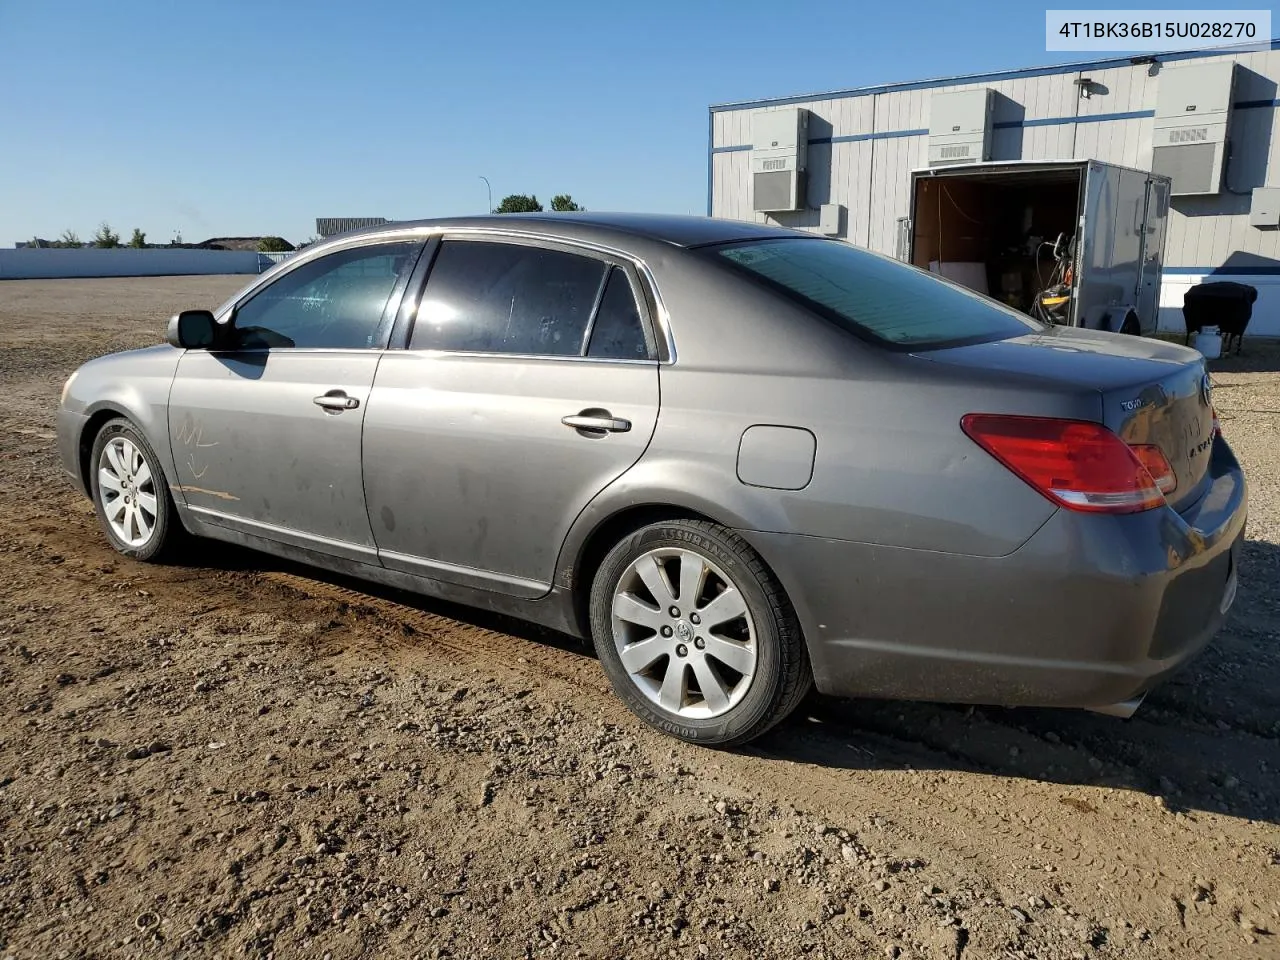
(1191, 166)
(950, 153)
(1194, 135)
(773, 190)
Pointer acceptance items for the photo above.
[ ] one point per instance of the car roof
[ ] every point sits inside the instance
(680, 231)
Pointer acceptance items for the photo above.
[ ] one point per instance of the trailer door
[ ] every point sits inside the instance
(1154, 220)
(1097, 289)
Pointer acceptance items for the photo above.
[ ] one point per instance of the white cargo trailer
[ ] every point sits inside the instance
(1078, 242)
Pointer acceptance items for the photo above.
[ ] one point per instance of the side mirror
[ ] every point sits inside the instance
(193, 330)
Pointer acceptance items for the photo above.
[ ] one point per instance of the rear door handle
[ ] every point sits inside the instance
(596, 421)
(335, 401)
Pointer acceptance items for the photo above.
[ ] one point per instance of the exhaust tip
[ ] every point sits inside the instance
(1124, 709)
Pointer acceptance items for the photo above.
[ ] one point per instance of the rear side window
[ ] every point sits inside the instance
(485, 297)
(618, 333)
(873, 296)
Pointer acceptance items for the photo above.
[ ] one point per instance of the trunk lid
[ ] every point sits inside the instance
(1151, 392)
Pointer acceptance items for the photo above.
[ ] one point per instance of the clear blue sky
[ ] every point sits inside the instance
(237, 118)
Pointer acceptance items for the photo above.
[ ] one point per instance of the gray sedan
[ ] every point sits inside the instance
(741, 460)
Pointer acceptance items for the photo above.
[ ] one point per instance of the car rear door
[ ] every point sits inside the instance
(266, 432)
(529, 383)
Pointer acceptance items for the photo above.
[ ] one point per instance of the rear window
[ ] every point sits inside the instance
(873, 296)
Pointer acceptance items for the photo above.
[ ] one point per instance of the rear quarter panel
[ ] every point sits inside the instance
(892, 465)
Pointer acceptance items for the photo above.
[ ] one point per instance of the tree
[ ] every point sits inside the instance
(139, 239)
(274, 245)
(563, 203)
(307, 242)
(519, 203)
(69, 239)
(105, 238)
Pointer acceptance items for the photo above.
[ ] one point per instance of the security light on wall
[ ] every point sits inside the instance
(1085, 85)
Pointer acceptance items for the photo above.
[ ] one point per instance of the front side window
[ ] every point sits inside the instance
(334, 302)
(491, 297)
(872, 296)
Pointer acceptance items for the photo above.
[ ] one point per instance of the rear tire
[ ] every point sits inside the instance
(696, 635)
(130, 494)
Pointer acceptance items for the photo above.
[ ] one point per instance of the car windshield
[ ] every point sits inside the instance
(873, 296)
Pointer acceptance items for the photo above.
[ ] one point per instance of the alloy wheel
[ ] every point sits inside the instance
(684, 633)
(128, 491)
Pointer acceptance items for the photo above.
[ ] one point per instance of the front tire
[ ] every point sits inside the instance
(130, 494)
(696, 635)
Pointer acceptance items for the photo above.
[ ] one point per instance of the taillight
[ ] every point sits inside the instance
(1076, 464)
(1157, 464)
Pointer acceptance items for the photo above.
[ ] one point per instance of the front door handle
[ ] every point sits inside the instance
(335, 401)
(596, 422)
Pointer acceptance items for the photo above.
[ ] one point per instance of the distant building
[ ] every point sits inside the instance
(328, 226)
(213, 243)
(233, 243)
(39, 243)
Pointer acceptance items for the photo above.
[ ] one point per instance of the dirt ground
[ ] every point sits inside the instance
(237, 757)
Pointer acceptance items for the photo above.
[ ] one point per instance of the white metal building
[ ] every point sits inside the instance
(848, 170)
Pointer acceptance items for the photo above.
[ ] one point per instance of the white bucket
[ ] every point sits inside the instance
(1209, 342)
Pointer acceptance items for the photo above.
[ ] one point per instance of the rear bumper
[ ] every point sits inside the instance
(1091, 611)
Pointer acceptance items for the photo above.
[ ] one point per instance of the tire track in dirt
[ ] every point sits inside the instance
(400, 623)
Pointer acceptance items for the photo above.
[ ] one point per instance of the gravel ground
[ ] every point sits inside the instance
(238, 757)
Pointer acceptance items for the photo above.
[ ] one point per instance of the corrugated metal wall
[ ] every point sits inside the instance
(864, 143)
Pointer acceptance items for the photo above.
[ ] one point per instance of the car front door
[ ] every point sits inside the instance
(529, 384)
(266, 429)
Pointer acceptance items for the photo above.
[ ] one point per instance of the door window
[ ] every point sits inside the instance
(334, 302)
(618, 333)
(487, 297)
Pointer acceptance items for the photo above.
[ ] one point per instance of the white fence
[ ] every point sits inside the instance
(32, 264)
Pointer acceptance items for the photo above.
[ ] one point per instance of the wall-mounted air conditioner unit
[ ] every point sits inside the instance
(779, 154)
(1193, 116)
(960, 127)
